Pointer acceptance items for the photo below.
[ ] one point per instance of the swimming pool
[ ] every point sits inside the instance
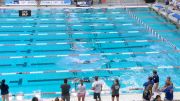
(38, 52)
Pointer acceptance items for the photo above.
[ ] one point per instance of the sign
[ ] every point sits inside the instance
(33, 2)
(24, 13)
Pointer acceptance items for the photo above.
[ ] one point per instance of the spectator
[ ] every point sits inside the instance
(56, 99)
(4, 91)
(35, 99)
(147, 93)
(65, 88)
(166, 2)
(150, 81)
(156, 81)
(158, 98)
(115, 90)
(81, 91)
(168, 81)
(97, 87)
(174, 4)
(38, 2)
(100, 2)
(168, 90)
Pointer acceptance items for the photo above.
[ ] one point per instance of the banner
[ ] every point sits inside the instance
(33, 2)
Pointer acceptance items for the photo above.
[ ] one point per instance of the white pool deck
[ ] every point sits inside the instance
(123, 97)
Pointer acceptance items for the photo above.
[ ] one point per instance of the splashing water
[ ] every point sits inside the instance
(82, 62)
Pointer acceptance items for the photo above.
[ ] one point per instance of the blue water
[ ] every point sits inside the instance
(53, 32)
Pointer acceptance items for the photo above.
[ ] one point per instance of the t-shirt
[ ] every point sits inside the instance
(4, 89)
(115, 89)
(81, 89)
(156, 79)
(97, 86)
(65, 89)
(148, 83)
(169, 92)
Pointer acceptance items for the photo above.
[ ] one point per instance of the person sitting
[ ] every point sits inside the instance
(174, 4)
(166, 2)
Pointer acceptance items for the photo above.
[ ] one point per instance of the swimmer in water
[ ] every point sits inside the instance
(78, 61)
(79, 47)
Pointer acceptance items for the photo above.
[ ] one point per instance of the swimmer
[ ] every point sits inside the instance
(78, 61)
(79, 47)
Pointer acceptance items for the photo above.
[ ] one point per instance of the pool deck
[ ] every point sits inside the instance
(123, 97)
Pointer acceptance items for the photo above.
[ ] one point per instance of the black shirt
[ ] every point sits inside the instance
(4, 89)
(65, 89)
(156, 79)
(115, 89)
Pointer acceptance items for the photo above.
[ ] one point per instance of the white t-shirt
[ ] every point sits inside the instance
(97, 86)
(81, 89)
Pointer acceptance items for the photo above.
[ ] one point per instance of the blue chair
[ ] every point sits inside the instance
(177, 16)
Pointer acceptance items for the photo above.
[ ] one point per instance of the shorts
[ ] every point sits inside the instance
(167, 99)
(4, 93)
(80, 95)
(65, 98)
(97, 96)
(117, 95)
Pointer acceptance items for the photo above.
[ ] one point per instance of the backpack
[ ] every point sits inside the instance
(147, 92)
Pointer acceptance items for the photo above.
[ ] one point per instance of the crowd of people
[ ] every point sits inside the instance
(151, 89)
(174, 3)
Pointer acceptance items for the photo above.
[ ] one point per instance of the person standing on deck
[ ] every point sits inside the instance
(115, 90)
(156, 81)
(65, 88)
(97, 88)
(4, 91)
(81, 91)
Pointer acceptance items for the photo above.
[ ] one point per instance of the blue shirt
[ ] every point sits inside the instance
(169, 92)
(148, 83)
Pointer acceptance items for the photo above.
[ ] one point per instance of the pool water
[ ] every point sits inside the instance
(38, 52)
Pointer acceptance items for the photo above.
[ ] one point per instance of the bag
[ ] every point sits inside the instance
(146, 94)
